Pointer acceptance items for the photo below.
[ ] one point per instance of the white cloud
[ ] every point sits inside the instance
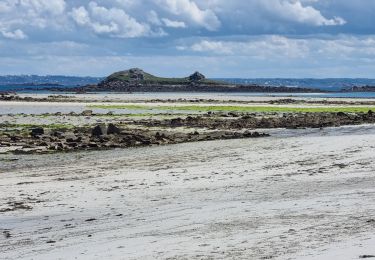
(259, 47)
(173, 24)
(347, 46)
(81, 15)
(15, 35)
(189, 10)
(144, 18)
(153, 18)
(275, 47)
(112, 21)
(213, 46)
(294, 10)
(237, 28)
(5, 7)
(54, 7)
(127, 3)
(17, 15)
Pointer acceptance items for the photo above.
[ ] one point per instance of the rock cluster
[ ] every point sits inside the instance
(287, 120)
(108, 136)
(214, 126)
(13, 97)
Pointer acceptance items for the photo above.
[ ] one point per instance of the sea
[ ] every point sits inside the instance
(332, 84)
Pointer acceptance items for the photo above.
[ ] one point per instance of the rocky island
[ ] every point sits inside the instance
(137, 80)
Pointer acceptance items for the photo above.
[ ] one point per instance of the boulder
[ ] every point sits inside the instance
(160, 137)
(176, 122)
(99, 130)
(93, 145)
(113, 130)
(37, 131)
(58, 134)
(73, 144)
(87, 113)
(70, 137)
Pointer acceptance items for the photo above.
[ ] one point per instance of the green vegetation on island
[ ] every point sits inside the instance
(138, 76)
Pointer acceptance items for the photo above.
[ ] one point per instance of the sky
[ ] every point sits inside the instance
(219, 38)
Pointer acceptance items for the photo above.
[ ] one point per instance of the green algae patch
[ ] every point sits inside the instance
(260, 109)
(27, 126)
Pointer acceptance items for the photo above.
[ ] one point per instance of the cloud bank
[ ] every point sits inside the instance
(305, 35)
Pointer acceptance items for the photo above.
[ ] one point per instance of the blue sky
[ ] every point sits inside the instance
(220, 38)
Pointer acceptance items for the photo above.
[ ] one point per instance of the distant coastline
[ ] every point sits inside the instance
(35, 84)
(152, 83)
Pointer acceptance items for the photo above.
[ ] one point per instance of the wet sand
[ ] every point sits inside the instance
(302, 197)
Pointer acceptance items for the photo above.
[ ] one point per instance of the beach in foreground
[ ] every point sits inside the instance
(304, 190)
(306, 197)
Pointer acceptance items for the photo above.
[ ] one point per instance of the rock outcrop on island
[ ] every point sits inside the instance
(137, 80)
(197, 76)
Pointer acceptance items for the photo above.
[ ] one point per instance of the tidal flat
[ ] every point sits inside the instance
(112, 177)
